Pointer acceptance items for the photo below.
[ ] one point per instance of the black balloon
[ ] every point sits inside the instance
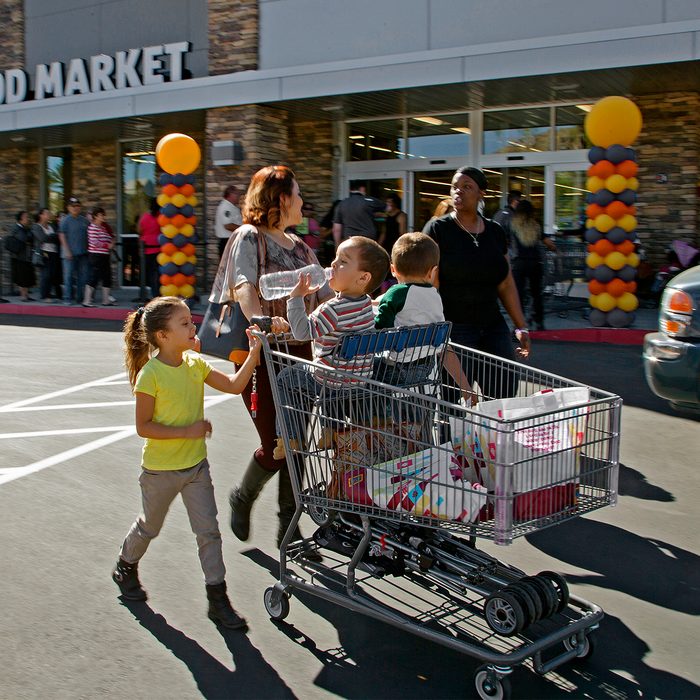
(598, 318)
(616, 235)
(628, 197)
(632, 154)
(179, 180)
(187, 211)
(169, 210)
(187, 269)
(589, 273)
(593, 235)
(169, 269)
(618, 318)
(603, 273)
(616, 154)
(603, 197)
(596, 153)
(165, 179)
(627, 273)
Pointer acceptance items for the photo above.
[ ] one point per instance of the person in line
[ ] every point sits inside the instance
(22, 270)
(308, 230)
(504, 217)
(169, 391)
(47, 239)
(527, 256)
(100, 245)
(228, 216)
(272, 204)
(473, 276)
(149, 232)
(76, 267)
(395, 225)
(359, 268)
(355, 215)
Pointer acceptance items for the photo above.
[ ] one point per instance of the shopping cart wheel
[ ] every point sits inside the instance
(526, 603)
(560, 586)
(547, 595)
(489, 686)
(584, 649)
(504, 614)
(533, 594)
(276, 604)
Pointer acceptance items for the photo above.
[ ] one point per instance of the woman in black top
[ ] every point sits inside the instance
(21, 261)
(474, 274)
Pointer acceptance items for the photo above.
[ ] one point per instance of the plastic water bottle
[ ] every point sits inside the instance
(276, 285)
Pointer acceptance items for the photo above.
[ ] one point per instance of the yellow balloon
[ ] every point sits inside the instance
(179, 258)
(593, 184)
(627, 223)
(593, 260)
(170, 231)
(192, 201)
(593, 300)
(632, 183)
(590, 223)
(604, 222)
(192, 259)
(613, 120)
(606, 302)
(179, 200)
(633, 260)
(187, 291)
(162, 199)
(187, 230)
(615, 261)
(163, 259)
(627, 302)
(178, 153)
(615, 183)
(169, 290)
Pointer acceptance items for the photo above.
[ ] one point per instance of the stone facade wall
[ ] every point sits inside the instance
(12, 23)
(233, 36)
(669, 145)
(95, 177)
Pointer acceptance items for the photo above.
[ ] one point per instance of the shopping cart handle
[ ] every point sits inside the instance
(393, 339)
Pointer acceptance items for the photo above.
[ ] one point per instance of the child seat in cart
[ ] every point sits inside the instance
(405, 471)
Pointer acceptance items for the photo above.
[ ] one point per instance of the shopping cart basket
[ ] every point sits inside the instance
(561, 271)
(403, 473)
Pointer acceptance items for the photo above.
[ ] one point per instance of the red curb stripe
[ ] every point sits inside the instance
(107, 313)
(612, 336)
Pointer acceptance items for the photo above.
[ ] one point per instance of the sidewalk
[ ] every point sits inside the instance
(565, 324)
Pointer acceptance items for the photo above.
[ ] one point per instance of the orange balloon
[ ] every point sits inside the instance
(169, 190)
(595, 287)
(628, 168)
(631, 287)
(191, 279)
(616, 209)
(190, 220)
(168, 249)
(603, 169)
(187, 190)
(603, 247)
(626, 247)
(616, 287)
(593, 210)
(163, 220)
(188, 249)
(179, 279)
(178, 221)
(165, 279)
(178, 153)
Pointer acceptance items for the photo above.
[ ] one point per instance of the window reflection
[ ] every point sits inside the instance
(58, 177)
(569, 127)
(376, 140)
(441, 136)
(517, 131)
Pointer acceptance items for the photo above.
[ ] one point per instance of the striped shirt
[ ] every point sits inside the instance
(99, 239)
(326, 326)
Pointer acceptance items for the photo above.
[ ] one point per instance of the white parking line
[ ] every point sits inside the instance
(64, 406)
(67, 431)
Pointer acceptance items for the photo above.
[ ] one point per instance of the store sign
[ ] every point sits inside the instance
(132, 68)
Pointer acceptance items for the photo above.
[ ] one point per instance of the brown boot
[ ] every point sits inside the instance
(242, 498)
(220, 610)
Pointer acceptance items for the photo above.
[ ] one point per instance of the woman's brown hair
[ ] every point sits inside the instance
(140, 329)
(263, 206)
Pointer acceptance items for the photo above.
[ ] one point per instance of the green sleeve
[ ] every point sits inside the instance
(390, 304)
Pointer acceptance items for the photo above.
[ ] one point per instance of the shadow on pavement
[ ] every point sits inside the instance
(376, 660)
(633, 483)
(253, 676)
(650, 570)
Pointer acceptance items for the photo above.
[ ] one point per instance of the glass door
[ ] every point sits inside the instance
(567, 205)
(430, 188)
(529, 180)
(381, 188)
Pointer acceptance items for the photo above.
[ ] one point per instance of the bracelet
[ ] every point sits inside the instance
(522, 330)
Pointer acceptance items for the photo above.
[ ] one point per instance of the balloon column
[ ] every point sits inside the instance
(612, 125)
(178, 155)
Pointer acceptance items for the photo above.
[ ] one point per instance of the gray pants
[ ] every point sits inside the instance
(158, 491)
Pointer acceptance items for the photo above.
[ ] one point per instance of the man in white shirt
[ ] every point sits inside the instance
(228, 216)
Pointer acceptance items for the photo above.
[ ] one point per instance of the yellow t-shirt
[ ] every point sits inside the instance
(179, 400)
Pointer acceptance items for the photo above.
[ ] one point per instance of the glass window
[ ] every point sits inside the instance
(569, 127)
(438, 136)
(517, 131)
(58, 173)
(376, 140)
(569, 201)
(138, 187)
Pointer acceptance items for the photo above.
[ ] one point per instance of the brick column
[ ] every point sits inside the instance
(233, 36)
(12, 23)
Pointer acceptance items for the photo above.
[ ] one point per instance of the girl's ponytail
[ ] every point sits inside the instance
(137, 349)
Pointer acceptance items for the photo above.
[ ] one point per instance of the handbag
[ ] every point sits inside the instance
(37, 258)
(223, 330)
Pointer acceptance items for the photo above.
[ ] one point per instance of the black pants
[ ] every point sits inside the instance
(528, 274)
(152, 280)
(51, 276)
(100, 270)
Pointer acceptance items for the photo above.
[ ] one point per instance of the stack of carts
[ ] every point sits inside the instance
(403, 473)
(561, 271)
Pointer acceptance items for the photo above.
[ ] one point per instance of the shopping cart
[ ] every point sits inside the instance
(403, 473)
(561, 271)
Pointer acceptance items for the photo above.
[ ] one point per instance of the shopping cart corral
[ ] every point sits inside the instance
(403, 473)
(561, 271)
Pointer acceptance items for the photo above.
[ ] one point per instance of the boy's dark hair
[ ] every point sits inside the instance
(373, 259)
(415, 254)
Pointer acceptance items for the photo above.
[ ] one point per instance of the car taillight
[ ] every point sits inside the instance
(676, 312)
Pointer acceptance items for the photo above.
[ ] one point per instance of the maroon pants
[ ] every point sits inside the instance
(265, 419)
